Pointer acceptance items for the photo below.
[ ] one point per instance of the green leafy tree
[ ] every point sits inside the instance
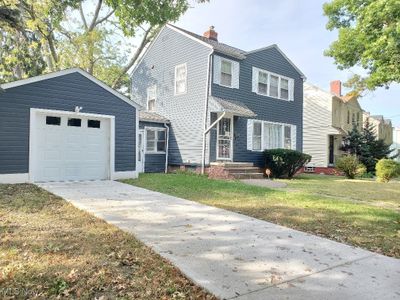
(369, 37)
(366, 146)
(38, 36)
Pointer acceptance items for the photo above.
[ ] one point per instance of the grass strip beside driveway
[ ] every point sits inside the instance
(50, 249)
(330, 215)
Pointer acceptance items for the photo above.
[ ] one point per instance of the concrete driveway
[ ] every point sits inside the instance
(235, 256)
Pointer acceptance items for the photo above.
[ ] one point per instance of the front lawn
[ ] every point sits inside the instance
(359, 213)
(51, 250)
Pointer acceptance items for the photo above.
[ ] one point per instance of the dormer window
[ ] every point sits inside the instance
(226, 72)
(273, 85)
(151, 98)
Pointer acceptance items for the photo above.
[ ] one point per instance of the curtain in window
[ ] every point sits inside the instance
(272, 136)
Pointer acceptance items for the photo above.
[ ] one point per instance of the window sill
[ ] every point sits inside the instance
(227, 86)
(154, 152)
(264, 95)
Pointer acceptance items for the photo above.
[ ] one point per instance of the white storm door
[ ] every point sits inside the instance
(224, 139)
(141, 160)
(71, 147)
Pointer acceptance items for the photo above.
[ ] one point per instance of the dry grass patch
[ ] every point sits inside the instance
(49, 249)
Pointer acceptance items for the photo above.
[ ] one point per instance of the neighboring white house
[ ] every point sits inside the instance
(328, 117)
(396, 142)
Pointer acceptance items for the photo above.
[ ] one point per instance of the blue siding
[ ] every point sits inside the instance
(186, 112)
(153, 163)
(61, 93)
(266, 108)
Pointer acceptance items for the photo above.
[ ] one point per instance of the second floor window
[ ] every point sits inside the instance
(151, 98)
(226, 73)
(276, 86)
(180, 79)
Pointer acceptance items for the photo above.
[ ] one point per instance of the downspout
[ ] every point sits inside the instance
(166, 147)
(203, 151)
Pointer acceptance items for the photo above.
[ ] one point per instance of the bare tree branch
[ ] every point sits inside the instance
(105, 18)
(145, 40)
(96, 15)
(82, 16)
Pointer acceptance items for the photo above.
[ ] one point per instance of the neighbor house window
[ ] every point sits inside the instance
(348, 117)
(226, 72)
(358, 118)
(353, 119)
(155, 140)
(272, 85)
(151, 98)
(270, 135)
(180, 79)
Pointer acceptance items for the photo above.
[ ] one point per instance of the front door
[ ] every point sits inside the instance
(331, 150)
(224, 139)
(140, 166)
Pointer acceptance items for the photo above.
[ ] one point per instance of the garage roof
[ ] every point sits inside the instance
(17, 83)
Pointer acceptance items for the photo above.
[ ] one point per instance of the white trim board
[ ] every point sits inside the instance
(14, 178)
(66, 72)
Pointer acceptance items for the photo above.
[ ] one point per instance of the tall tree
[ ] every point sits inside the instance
(369, 37)
(39, 36)
(366, 146)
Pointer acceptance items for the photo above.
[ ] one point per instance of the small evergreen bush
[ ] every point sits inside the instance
(285, 162)
(350, 166)
(387, 169)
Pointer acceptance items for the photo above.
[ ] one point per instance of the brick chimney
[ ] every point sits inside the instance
(336, 87)
(211, 34)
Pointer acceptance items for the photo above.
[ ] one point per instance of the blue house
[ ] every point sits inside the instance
(215, 104)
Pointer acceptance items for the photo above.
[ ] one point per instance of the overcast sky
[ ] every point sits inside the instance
(298, 27)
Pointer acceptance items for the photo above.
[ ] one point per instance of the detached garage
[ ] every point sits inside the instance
(66, 126)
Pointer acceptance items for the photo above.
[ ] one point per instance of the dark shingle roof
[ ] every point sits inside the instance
(218, 47)
(235, 107)
(147, 116)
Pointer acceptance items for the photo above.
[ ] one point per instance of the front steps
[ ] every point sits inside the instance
(235, 170)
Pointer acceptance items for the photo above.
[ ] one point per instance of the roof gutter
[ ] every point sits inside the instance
(203, 151)
(167, 147)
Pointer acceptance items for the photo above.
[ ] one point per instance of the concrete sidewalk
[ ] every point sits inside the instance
(235, 256)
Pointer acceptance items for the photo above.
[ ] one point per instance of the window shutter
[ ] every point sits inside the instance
(235, 73)
(217, 69)
(291, 89)
(293, 136)
(250, 134)
(255, 80)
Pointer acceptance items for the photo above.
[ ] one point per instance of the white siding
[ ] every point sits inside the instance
(317, 119)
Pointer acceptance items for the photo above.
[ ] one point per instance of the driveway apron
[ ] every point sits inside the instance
(235, 256)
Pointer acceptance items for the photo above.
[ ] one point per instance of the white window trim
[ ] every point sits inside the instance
(262, 134)
(176, 71)
(290, 90)
(155, 95)
(156, 139)
(220, 73)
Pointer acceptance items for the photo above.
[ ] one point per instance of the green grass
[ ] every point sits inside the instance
(359, 213)
(52, 250)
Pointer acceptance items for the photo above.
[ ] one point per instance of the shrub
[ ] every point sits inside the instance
(350, 166)
(285, 162)
(387, 169)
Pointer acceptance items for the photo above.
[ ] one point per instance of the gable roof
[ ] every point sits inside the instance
(21, 82)
(235, 107)
(217, 46)
(229, 50)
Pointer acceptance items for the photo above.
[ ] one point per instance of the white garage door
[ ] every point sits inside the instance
(70, 147)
